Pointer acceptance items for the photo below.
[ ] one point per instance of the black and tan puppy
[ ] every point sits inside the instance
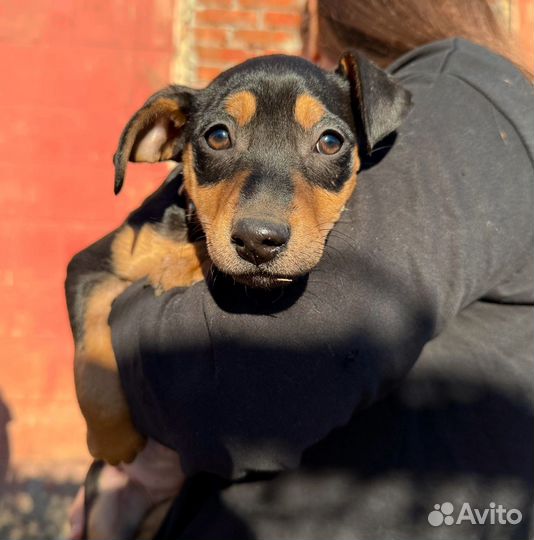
(270, 151)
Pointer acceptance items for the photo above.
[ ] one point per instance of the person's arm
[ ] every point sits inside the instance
(235, 383)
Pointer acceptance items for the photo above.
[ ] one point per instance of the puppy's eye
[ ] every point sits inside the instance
(218, 138)
(329, 143)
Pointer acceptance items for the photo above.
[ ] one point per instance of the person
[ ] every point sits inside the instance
(392, 397)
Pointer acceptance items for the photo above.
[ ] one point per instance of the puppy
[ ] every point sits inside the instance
(270, 152)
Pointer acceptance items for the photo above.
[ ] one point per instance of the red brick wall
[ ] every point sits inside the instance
(526, 30)
(225, 32)
(72, 73)
(252, 28)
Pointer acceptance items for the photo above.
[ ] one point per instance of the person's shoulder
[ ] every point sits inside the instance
(454, 56)
(477, 74)
(483, 69)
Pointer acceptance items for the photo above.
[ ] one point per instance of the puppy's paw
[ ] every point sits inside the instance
(118, 445)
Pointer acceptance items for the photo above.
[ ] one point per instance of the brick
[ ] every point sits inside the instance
(40, 22)
(36, 442)
(209, 56)
(150, 72)
(293, 5)
(35, 313)
(262, 39)
(211, 36)
(109, 24)
(207, 74)
(526, 24)
(19, 359)
(85, 197)
(44, 261)
(77, 72)
(276, 20)
(154, 24)
(99, 79)
(220, 17)
(226, 4)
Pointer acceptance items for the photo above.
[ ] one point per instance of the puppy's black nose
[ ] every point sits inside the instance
(259, 241)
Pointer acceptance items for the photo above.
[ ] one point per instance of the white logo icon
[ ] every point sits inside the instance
(495, 514)
(441, 514)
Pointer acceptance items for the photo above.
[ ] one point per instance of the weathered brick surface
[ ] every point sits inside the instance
(220, 34)
(283, 20)
(525, 15)
(290, 5)
(72, 74)
(223, 17)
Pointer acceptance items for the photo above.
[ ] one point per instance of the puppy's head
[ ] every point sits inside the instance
(270, 153)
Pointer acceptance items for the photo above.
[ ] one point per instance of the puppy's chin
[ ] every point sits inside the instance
(272, 275)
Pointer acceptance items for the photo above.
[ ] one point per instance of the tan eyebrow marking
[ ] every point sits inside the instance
(242, 106)
(308, 110)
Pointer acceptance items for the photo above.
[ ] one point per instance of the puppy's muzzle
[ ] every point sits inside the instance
(259, 241)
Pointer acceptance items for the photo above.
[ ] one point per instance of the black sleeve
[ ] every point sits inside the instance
(236, 381)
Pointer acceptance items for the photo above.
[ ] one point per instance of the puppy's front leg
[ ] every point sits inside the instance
(111, 435)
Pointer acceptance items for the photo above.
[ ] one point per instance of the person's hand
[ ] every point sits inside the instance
(128, 493)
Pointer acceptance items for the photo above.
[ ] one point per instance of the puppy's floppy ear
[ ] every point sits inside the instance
(379, 103)
(155, 132)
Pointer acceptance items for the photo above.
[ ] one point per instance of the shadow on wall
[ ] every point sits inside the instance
(5, 417)
(30, 507)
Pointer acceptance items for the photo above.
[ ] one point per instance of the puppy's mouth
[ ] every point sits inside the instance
(263, 280)
(275, 274)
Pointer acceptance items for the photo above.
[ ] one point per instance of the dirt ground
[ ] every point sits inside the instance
(35, 507)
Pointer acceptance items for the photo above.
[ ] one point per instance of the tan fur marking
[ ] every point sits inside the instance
(315, 212)
(135, 254)
(326, 205)
(216, 206)
(190, 176)
(97, 334)
(308, 111)
(241, 106)
(164, 261)
(345, 65)
(110, 432)
(317, 209)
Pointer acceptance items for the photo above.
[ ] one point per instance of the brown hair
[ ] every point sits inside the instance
(386, 29)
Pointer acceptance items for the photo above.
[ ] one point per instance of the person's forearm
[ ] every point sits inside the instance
(250, 390)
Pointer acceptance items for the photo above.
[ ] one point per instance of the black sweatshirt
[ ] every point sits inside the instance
(431, 265)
